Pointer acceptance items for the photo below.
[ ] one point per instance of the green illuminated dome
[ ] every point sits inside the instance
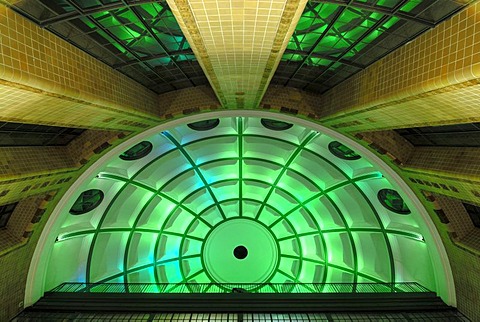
(239, 200)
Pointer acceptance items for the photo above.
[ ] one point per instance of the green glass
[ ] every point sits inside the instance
(351, 25)
(240, 203)
(87, 201)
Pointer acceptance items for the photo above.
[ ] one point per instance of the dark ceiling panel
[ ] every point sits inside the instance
(459, 135)
(21, 134)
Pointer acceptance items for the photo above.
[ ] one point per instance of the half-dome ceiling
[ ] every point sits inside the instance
(240, 200)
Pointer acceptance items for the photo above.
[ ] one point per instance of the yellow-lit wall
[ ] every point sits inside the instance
(431, 80)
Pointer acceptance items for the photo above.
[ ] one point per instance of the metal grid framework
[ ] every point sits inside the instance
(337, 38)
(333, 40)
(21, 134)
(450, 315)
(141, 39)
(322, 213)
(459, 135)
(271, 288)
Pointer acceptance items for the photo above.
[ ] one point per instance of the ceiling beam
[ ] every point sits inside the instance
(238, 43)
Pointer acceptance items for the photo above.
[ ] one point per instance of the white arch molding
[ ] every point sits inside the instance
(36, 279)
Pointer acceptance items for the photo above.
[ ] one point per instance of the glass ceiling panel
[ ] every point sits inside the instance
(459, 135)
(335, 33)
(21, 134)
(139, 38)
(88, 4)
(240, 200)
(381, 3)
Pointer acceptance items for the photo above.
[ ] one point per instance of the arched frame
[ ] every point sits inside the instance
(35, 286)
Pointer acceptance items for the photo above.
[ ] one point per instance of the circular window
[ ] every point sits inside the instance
(87, 201)
(204, 125)
(342, 151)
(137, 151)
(240, 252)
(276, 125)
(391, 200)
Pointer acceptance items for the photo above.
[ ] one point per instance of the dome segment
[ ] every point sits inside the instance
(241, 202)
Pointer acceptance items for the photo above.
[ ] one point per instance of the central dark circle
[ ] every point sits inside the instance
(240, 252)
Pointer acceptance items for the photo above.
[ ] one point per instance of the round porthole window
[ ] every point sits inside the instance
(204, 125)
(275, 125)
(87, 201)
(391, 200)
(137, 151)
(342, 151)
(240, 252)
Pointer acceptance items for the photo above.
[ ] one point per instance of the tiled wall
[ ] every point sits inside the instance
(432, 80)
(14, 263)
(188, 101)
(462, 161)
(239, 59)
(465, 263)
(27, 171)
(58, 84)
(277, 97)
(91, 144)
(451, 171)
(445, 192)
(389, 142)
(20, 161)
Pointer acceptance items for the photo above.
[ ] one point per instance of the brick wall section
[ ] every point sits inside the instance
(91, 144)
(202, 99)
(189, 100)
(451, 171)
(19, 222)
(390, 142)
(460, 161)
(14, 264)
(448, 193)
(21, 187)
(34, 170)
(277, 97)
(20, 161)
(15, 261)
(459, 220)
(432, 80)
(447, 185)
(464, 262)
(59, 84)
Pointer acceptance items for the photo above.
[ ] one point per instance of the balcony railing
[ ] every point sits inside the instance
(182, 288)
